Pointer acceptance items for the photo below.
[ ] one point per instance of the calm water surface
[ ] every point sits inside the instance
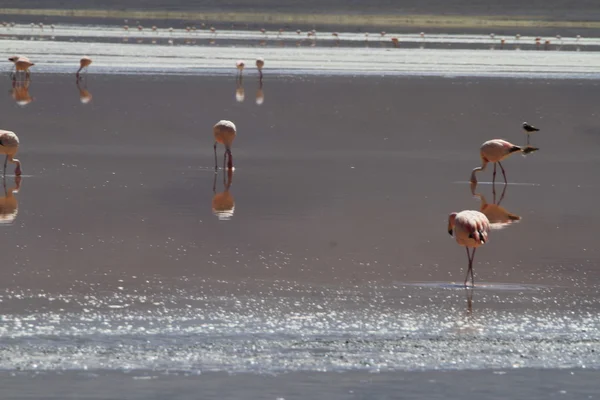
(329, 250)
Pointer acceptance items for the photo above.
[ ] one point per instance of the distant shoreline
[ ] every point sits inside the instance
(373, 20)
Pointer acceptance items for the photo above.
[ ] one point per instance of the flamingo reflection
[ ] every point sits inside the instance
(498, 216)
(223, 204)
(9, 205)
(20, 91)
(260, 94)
(84, 94)
(239, 89)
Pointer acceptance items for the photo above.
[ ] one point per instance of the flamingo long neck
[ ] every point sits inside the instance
(483, 166)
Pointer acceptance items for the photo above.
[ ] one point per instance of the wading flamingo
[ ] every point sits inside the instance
(224, 132)
(471, 229)
(239, 64)
(9, 145)
(496, 150)
(83, 63)
(529, 129)
(260, 63)
(22, 64)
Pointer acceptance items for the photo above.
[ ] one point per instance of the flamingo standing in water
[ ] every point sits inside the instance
(260, 63)
(224, 132)
(22, 64)
(239, 64)
(9, 145)
(83, 63)
(496, 150)
(471, 229)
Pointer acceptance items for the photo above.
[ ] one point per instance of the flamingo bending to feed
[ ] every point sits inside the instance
(9, 145)
(239, 64)
(22, 64)
(83, 63)
(260, 63)
(471, 229)
(224, 132)
(496, 150)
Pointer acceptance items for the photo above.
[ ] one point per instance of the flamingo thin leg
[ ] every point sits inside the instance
(503, 173)
(215, 147)
(494, 175)
(5, 162)
(470, 266)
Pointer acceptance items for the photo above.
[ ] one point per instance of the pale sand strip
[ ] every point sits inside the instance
(447, 21)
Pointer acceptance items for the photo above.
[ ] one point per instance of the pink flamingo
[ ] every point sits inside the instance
(83, 63)
(224, 132)
(471, 229)
(239, 64)
(9, 145)
(496, 150)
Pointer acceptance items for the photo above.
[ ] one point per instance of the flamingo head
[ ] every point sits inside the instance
(451, 219)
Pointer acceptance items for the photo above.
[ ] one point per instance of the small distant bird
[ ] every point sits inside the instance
(239, 64)
(154, 28)
(9, 145)
(517, 36)
(298, 31)
(140, 28)
(382, 33)
(529, 129)
(262, 30)
(83, 63)
(492, 35)
(125, 27)
(422, 34)
(496, 150)
(22, 64)
(260, 63)
(471, 230)
(224, 132)
(395, 41)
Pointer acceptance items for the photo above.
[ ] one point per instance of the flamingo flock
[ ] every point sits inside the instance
(470, 228)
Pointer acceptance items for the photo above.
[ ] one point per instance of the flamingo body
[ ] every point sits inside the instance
(9, 145)
(224, 132)
(84, 63)
(496, 150)
(471, 229)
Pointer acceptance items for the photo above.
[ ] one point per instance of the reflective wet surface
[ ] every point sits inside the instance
(325, 249)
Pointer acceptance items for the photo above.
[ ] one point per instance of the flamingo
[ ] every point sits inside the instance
(22, 64)
(260, 63)
(83, 63)
(471, 229)
(239, 64)
(224, 132)
(223, 204)
(9, 145)
(395, 41)
(496, 150)
(529, 129)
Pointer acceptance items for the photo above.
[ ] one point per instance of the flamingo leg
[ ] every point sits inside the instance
(502, 195)
(215, 147)
(503, 173)
(230, 165)
(5, 163)
(528, 139)
(224, 160)
(215, 184)
(494, 175)
(470, 266)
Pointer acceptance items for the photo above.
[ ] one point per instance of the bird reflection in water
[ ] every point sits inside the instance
(260, 94)
(223, 204)
(84, 94)
(9, 205)
(498, 216)
(20, 91)
(239, 89)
